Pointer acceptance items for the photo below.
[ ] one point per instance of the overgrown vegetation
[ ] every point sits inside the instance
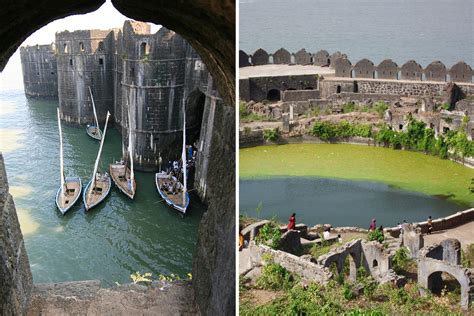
(271, 134)
(417, 137)
(468, 256)
(248, 116)
(270, 235)
(275, 277)
(343, 299)
(320, 249)
(375, 235)
(379, 107)
(400, 260)
(344, 129)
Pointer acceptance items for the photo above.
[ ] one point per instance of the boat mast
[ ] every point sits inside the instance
(130, 146)
(93, 108)
(183, 155)
(61, 162)
(96, 166)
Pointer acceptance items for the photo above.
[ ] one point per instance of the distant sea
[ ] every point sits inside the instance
(423, 30)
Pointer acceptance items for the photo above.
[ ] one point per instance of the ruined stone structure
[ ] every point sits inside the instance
(445, 257)
(214, 40)
(39, 69)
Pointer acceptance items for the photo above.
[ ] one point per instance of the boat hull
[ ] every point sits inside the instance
(94, 132)
(171, 199)
(105, 185)
(65, 203)
(116, 170)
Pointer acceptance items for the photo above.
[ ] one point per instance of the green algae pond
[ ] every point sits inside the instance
(349, 184)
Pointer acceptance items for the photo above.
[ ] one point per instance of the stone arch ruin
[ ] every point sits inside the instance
(282, 56)
(445, 257)
(274, 95)
(260, 57)
(436, 71)
(387, 69)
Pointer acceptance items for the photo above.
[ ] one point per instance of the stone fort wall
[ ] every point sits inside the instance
(39, 69)
(364, 68)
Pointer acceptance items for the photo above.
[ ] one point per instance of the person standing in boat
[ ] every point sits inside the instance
(292, 222)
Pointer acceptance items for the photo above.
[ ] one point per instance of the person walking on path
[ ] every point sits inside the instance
(430, 225)
(292, 222)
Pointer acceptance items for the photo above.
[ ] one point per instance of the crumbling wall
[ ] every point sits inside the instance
(444, 257)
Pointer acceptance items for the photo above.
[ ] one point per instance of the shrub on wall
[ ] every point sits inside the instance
(271, 134)
(344, 129)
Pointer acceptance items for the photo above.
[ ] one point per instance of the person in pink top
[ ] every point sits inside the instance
(292, 222)
(373, 225)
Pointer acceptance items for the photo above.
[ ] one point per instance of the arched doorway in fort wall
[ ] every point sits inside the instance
(213, 272)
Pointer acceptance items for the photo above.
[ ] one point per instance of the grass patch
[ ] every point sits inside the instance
(407, 170)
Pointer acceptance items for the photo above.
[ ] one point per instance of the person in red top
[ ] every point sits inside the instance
(292, 222)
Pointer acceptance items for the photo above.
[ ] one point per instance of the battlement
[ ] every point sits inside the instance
(364, 68)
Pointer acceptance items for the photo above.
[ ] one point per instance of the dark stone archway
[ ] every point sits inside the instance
(209, 26)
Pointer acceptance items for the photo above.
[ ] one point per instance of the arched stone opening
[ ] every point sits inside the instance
(214, 40)
(375, 263)
(350, 268)
(445, 284)
(274, 95)
(338, 89)
(355, 87)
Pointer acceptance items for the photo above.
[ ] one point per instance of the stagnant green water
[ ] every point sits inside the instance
(347, 185)
(112, 241)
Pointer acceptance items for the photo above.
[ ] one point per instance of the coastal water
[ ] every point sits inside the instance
(112, 241)
(423, 30)
(337, 202)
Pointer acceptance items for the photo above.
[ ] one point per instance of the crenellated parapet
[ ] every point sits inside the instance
(364, 68)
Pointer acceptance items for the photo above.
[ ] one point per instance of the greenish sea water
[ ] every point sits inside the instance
(112, 241)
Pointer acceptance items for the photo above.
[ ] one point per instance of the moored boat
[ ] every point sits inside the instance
(93, 130)
(173, 192)
(70, 188)
(99, 186)
(122, 175)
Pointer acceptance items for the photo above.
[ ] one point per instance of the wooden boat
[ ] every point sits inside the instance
(93, 130)
(173, 192)
(99, 186)
(123, 176)
(178, 200)
(70, 189)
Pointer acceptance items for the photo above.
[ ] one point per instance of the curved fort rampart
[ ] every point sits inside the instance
(153, 75)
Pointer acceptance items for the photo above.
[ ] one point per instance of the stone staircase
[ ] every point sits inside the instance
(393, 244)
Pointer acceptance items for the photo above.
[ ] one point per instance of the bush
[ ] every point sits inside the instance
(269, 235)
(275, 277)
(344, 129)
(380, 107)
(400, 259)
(376, 234)
(271, 134)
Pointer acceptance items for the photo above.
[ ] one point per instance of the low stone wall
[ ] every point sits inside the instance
(251, 138)
(300, 95)
(307, 270)
(442, 223)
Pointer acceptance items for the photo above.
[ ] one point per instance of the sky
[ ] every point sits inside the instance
(106, 17)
